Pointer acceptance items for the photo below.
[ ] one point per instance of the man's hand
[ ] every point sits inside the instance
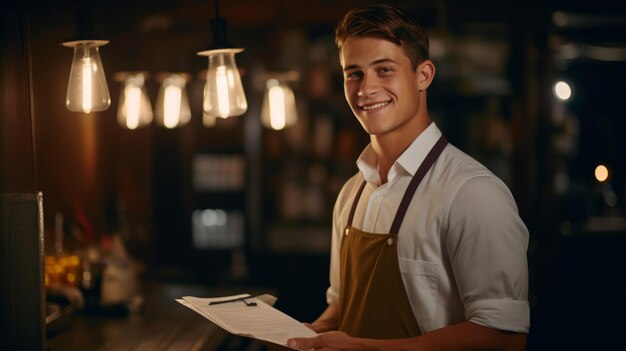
(275, 347)
(321, 326)
(333, 340)
(327, 321)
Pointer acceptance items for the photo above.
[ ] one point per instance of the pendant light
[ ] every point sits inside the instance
(279, 106)
(134, 109)
(223, 95)
(172, 106)
(278, 110)
(87, 89)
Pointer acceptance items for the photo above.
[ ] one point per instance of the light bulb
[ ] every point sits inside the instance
(134, 109)
(279, 106)
(172, 109)
(87, 89)
(208, 120)
(223, 95)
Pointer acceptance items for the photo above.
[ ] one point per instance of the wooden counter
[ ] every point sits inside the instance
(161, 324)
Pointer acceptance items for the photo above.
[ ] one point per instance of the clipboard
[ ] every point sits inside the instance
(249, 316)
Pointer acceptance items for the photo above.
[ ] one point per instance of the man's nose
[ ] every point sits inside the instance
(368, 85)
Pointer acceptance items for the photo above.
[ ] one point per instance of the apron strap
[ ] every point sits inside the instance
(355, 202)
(430, 159)
(415, 182)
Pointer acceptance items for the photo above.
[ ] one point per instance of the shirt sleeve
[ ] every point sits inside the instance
(332, 293)
(487, 244)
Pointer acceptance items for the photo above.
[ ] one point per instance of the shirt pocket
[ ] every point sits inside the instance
(420, 282)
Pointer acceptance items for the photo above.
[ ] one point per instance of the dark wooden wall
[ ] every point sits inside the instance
(22, 306)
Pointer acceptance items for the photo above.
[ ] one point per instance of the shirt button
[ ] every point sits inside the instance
(390, 242)
(347, 231)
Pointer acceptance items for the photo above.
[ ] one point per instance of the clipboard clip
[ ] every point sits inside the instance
(249, 304)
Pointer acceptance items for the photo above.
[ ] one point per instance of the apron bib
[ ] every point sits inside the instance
(373, 300)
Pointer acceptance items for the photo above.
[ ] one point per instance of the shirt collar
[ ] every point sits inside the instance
(368, 165)
(415, 154)
(410, 159)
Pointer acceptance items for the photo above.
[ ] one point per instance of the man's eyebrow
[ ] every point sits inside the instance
(384, 60)
(375, 62)
(351, 67)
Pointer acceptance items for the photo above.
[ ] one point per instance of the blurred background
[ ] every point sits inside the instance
(532, 89)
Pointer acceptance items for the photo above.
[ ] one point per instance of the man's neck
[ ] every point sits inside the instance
(388, 148)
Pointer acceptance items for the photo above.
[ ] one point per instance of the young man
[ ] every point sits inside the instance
(428, 250)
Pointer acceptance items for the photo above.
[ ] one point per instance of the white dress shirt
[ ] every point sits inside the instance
(462, 245)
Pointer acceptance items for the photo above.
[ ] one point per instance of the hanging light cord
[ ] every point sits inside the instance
(217, 8)
(218, 24)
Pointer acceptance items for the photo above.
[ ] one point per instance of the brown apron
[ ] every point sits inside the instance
(373, 300)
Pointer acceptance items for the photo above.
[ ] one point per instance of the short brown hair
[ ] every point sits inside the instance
(386, 22)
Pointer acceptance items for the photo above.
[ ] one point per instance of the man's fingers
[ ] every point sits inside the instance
(304, 343)
(275, 347)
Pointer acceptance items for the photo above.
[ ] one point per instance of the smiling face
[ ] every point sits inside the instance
(386, 95)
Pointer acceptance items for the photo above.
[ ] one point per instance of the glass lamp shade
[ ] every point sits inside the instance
(223, 95)
(134, 109)
(279, 106)
(172, 107)
(87, 90)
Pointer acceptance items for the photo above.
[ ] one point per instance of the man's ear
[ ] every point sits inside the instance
(425, 74)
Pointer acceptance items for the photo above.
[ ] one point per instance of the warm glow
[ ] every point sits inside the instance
(207, 119)
(171, 106)
(132, 102)
(223, 91)
(223, 96)
(277, 107)
(87, 89)
(87, 84)
(601, 173)
(562, 91)
(134, 109)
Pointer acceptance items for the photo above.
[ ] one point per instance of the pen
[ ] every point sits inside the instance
(237, 299)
